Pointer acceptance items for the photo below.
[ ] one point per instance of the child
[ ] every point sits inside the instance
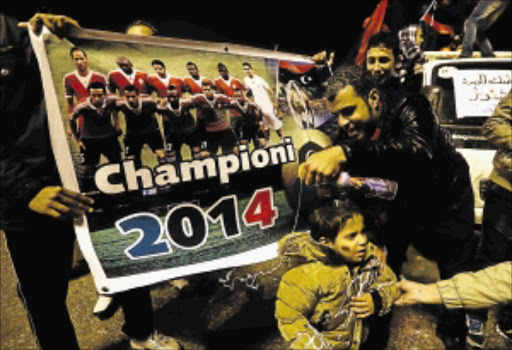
(321, 304)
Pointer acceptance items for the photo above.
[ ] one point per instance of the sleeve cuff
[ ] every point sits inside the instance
(377, 301)
(24, 190)
(449, 294)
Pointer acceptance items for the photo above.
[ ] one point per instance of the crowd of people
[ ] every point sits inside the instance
(343, 281)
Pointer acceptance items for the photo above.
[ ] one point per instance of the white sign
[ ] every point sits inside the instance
(477, 92)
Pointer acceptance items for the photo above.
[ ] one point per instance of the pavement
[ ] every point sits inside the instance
(209, 316)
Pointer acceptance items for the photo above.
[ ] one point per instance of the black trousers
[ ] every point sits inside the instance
(41, 250)
(496, 241)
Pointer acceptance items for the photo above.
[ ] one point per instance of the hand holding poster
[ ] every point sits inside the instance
(185, 169)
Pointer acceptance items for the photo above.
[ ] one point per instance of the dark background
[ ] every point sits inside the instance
(306, 28)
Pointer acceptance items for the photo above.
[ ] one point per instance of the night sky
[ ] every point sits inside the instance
(305, 28)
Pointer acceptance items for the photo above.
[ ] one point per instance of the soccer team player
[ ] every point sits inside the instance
(180, 126)
(126, 75)
(99, 132)
(251, 120)
(141, 124)
(77, 81)
(161, 80)
(213, 125)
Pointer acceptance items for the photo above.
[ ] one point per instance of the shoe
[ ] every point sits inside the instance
(156, 341)
(475, 336)
(452, 342)
(505, 333)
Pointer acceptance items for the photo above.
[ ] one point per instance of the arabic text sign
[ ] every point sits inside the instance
(477, 92)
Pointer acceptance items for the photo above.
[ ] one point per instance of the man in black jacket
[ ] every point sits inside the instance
(36, 212)
(399, 138)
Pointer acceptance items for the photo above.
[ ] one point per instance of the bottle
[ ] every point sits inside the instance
(371, 187)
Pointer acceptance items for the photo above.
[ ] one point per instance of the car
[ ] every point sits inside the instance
(464, 93)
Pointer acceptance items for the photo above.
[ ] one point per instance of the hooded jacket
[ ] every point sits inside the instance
(312, 306)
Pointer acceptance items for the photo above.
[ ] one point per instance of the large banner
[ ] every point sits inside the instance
(189, 149)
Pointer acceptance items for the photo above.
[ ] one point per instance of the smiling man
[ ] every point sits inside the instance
(382, 56)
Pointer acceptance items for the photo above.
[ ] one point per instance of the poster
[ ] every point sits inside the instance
(184, 202)
(478, 92)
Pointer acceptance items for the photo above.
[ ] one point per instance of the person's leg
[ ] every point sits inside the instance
(90, 158)
(132, 149)
(471, 27)
(455, 246)
(41, 253)
(496, 236)
(494, 10)
(138, 312)
(496, 241)
(112, 150)
(227, 141)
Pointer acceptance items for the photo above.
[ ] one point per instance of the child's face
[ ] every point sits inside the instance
(351, 242)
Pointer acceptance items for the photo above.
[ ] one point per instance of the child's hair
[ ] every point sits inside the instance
(327, 220)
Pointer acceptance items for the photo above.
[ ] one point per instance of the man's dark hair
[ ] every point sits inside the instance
(385, 39)
(190, 63)
(349, 75)
(97, 85)
(131, 88)
(76, 48)
(247, 64)
(158, 62)
(329, 219)
(221, 66)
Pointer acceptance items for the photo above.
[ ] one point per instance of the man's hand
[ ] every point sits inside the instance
(61, 203)
(362, 306)
(54, 22)
(415, 293)
(322, 166)
(321, 58)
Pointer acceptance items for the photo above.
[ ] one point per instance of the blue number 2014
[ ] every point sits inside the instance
(186, 225)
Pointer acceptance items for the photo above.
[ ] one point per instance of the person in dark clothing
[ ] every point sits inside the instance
(35, 211)
(399, 138)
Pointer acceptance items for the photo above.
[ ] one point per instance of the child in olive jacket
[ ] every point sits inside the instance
(321, 304)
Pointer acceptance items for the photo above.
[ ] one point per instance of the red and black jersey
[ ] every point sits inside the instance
(118, 80)
(177, 117)
(228, 87)
(97, 121)
(211, 111)
(160, 85)
(194, 86)
(142, 119)
(250, 113)
(76, 86)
